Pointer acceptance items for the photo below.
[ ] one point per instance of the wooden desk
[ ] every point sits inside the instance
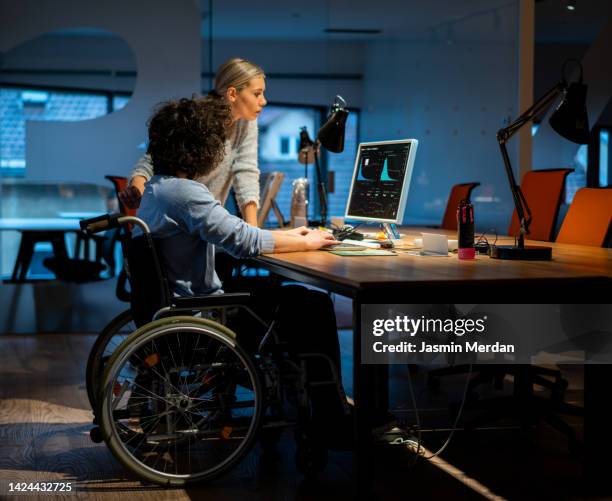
(347, 275)
(573, 276)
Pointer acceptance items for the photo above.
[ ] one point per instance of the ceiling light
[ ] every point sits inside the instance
(353, 31)
(571, 5)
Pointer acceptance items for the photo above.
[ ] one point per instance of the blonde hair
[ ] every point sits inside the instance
(236, 72)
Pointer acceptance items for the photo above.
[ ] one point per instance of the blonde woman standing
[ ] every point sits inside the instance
(242, 85)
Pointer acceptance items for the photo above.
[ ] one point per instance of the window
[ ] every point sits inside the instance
(120, 101)
(279, 129)
(604, 157)
(275, 124)
(18, 105)
(284, 145)
(577, 179)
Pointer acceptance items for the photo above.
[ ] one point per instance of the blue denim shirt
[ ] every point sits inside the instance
(188, 222)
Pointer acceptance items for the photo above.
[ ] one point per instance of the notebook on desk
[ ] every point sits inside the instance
(344, 247)
(364, 252)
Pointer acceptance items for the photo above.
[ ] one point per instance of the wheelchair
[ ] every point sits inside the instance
(175, 396)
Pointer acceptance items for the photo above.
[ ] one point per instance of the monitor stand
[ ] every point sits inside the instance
(390, 230)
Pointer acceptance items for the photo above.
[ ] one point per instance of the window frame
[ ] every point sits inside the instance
(6, 173)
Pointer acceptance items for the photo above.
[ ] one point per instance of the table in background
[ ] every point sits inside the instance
(34, 230)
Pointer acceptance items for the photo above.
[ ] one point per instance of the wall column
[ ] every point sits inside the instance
(526, 41)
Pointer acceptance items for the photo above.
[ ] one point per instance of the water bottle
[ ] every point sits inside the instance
(299, 202)
(465, 230)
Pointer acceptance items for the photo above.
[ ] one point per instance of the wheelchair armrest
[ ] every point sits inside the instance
(194, 303)
(100, 223)
(212, 300)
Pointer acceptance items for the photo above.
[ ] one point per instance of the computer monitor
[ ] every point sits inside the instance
(381, 180)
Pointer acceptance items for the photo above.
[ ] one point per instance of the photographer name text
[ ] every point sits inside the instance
(411, 327)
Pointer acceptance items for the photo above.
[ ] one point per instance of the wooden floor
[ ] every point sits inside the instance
(45, 421)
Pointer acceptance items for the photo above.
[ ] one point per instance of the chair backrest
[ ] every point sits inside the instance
(120, 183)
(543, 190)
(589, 218)
(149, 289)
(458, 192)
(270, 183)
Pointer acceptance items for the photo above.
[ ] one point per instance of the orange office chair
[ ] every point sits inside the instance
(120, 183)
(543, 190)
(458, 192)
(589, 218)
(84, 269)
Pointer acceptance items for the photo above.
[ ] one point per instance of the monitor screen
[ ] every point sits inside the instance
(381, 180)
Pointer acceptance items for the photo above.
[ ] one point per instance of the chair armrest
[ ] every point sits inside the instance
(212, 300)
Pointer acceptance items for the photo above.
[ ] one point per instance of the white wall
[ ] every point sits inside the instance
(308, 59)
(156, 32)
(453, 99)
(304, 58)
(59, 60)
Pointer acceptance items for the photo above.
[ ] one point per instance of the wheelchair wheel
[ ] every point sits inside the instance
(181, 402)
(106, 343)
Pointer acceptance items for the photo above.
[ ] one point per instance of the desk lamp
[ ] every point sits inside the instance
(331, 136)
(570, 121)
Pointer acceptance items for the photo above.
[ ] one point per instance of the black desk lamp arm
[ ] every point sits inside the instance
(503, 135)
(321, 188)
(536, 108)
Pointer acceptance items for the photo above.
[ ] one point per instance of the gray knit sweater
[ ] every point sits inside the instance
(238, 167)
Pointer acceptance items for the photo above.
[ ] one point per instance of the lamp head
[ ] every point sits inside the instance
(331, 134)
(570, 120)
(306, 148)
(305, 140)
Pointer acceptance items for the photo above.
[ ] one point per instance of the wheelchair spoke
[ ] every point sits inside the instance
(182, 403)
(178, 341)
(152, 369)
(150, 393)
(193, 353)
(161, 361)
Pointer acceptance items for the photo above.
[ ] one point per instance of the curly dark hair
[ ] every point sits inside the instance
(188, 136)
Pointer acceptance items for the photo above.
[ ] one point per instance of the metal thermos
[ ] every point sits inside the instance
(299, 202)
(465, 230)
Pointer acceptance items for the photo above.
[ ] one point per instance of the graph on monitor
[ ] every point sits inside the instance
(381, 180)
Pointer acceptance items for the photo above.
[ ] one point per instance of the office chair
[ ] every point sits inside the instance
(589, 218)
(458, 192)
(85, 269)
(82, 268)
(101, 247)
(120, 183)
(543, 190)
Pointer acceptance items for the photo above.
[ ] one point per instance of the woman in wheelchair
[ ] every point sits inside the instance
(183, 398)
